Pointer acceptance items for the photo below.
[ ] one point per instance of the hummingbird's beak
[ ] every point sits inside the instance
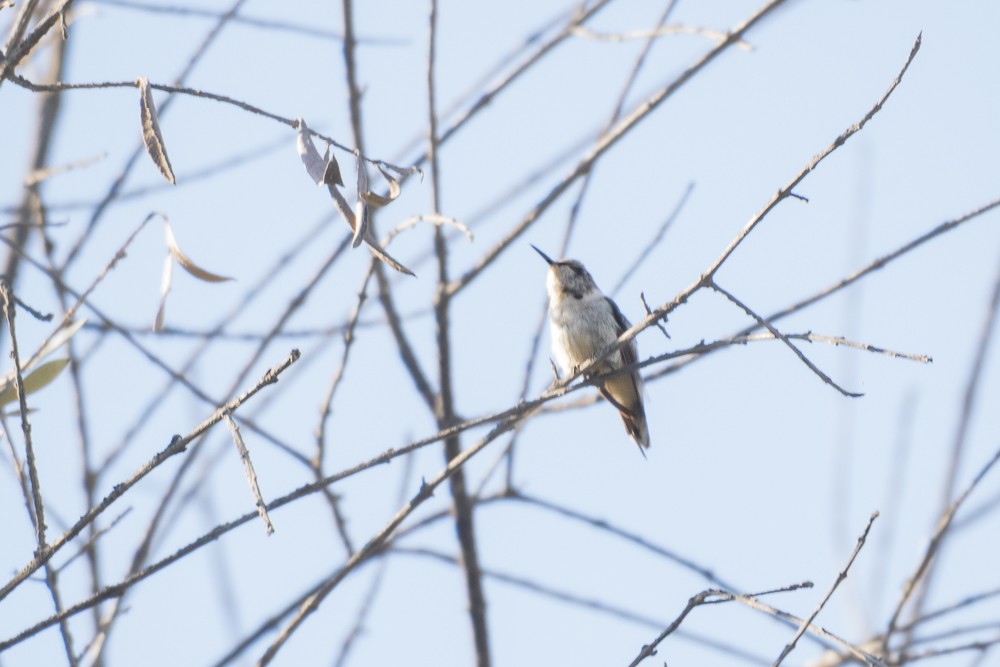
(544, 256)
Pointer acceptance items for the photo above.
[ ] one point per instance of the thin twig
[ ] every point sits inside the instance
(714, 35)
(709, 596)
(790, 646)
(83, 296)
(377, 542)
(858, 653)
(639, 113)
(376, 584)
(884, 260)
(647, 247)
(704, 281)
(244, 453)
(944, 523)
(969, 399)
(268, 276)
(145, 352)
(649, 311)
(9, 311)
(786, 191)
(784, 339)
(574, 211)
(955, 606)
(327, 406)
(867, 347)
(980, 646)
(603, 525)
(583, 14)
(445, 406)
(51, 574)
(271, 25)
(873, 266)
(199, 52)
(548, 591)
(177, 445)
(16, 49)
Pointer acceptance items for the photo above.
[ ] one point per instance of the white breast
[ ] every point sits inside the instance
(580, 328)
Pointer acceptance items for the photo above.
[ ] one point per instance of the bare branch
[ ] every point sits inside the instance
(710, 596)
(607, 141)
(943, 524)
(837, 143)
(790, 646)
(38, 516)
(177, 445)
(777, 334)
(707, 277)
(244, 453)
(714, 35)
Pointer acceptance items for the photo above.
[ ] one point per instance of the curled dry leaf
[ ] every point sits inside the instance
(356, 217)
(340, 201)
(360, 222)
(435, 219)
(380, 200)
(377, 250)
(165, 280)
(331, 172)
(322, 170)
(310, 156)
(151, 135)
(361, 207)
(185, 261)
(174, 253)
(35, 380)
(348, 215)
(402, 171)
(61, 337)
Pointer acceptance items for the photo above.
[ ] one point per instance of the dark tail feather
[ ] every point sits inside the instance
(637, 429)
(635, 424)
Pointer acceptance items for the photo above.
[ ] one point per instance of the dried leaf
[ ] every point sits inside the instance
(8, 379)
(331, 172)
(402, 171)
(314, 164)
(394, 187)
(348, 215)
(375, 200)
(357, 219)
(168, 274)
(361, 207)
(35, 380)
(435, 219)
(380, 200)
(388, 259)
(360, 222)
(64, 335)
(151, 135)
(185, 261)
(342, 206)
(36, 176)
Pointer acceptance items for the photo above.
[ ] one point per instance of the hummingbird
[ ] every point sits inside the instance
(583, 321)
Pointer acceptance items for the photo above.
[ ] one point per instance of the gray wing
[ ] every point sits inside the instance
(628, 401)
(628, 352)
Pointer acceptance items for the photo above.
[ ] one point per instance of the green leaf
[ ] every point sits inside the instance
(37, 379)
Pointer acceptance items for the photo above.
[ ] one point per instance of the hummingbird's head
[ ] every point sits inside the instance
(567, 277)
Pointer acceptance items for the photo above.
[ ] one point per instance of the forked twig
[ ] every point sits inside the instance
(790, 646)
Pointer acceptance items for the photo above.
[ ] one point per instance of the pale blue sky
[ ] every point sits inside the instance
(758, 471)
